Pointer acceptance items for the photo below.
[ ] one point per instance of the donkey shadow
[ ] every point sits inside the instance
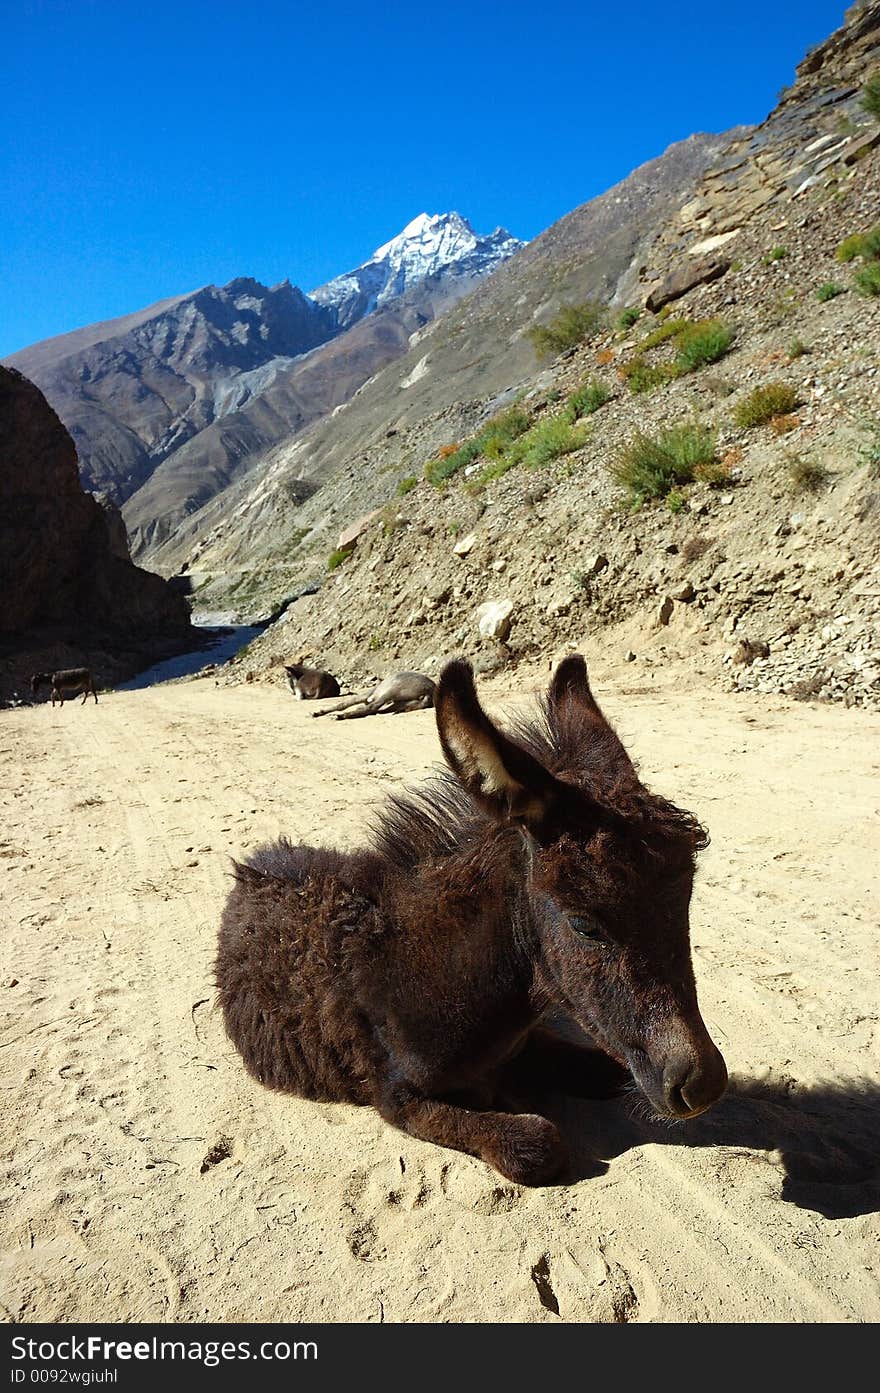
(827, 1135)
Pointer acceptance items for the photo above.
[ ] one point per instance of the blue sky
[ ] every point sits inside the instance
(151, 148)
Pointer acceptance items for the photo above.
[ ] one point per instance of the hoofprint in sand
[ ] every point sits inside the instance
(148, 1177)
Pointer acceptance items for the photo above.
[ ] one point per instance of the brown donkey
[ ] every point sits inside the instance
(414, 976)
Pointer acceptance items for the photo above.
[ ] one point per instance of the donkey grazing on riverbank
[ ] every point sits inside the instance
(414, 975)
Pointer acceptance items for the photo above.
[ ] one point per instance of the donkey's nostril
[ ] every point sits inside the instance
(692, 1085)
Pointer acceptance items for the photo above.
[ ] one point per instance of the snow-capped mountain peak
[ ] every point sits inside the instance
(433, 244)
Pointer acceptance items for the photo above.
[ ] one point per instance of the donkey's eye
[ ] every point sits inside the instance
(585, 928)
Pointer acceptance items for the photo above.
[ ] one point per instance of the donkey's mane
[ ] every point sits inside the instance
(431, 823)
(441, 820)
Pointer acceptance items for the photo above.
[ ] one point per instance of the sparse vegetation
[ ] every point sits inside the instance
(863, 244)
(782, 307)
(491, 442)
(796, 349)
(781, 425)
(675, 501)
(807, 475)
(337, 557)
(697, 344)
(761, 405)
(829, 291)
(627, 318)
(695, 547)
(867, 278)
(775, 254)
(374, 643)
(586, 399)
(702, 343)
(650, 467)
(870, 97)
(869, 451)
(645, 377)
(571, 326)
(406, 485)
(664, 331)
(503, 430)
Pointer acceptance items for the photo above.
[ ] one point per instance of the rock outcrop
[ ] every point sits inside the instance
(67, 583)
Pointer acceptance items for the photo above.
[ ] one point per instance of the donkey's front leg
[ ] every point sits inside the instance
(524, 1147)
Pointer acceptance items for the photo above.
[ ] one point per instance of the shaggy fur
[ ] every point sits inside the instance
(416, 975)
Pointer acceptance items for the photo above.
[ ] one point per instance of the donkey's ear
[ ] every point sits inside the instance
(571, 686)
(507, 781)
(569, 697)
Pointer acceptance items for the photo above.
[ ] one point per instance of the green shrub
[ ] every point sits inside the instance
(650, 466)
(646, 377)
(871, 94)
(627, 318)
(667, 330)
(864, 244)
(571, 326)
(829, 291)
(702, 343)
(543, 442)
(675, 501)
(867, 278)
(586, 399)
(775, 254)
(849, 248)
(337, 557)
(438, 470)
(796, 349)
(406, 485)
(503, 429)
(761, 405)
(549, 439)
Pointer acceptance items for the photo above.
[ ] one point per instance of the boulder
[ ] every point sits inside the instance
(684, 278)
(349, 537)
(664, 614)
(684, 593)
(494, 619)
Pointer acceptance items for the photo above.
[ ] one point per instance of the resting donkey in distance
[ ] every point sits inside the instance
(310, 683)
(414, 975)
(405, 691)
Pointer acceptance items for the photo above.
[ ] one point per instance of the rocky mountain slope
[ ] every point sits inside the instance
(764, 574)
(298, 393)
(168, 405)
(240, 542)
(69, 593)
(133, 391)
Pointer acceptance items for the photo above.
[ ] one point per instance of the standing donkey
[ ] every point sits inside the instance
(416, 975)
(68, 682)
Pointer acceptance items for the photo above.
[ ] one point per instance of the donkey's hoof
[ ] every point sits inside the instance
(530, 1150)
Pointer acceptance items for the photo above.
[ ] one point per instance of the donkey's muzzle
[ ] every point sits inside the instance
(691, 1084)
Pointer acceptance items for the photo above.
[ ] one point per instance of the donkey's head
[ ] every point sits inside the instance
(609, 869)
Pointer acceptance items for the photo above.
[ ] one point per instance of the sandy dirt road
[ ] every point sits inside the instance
(147, 1177)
